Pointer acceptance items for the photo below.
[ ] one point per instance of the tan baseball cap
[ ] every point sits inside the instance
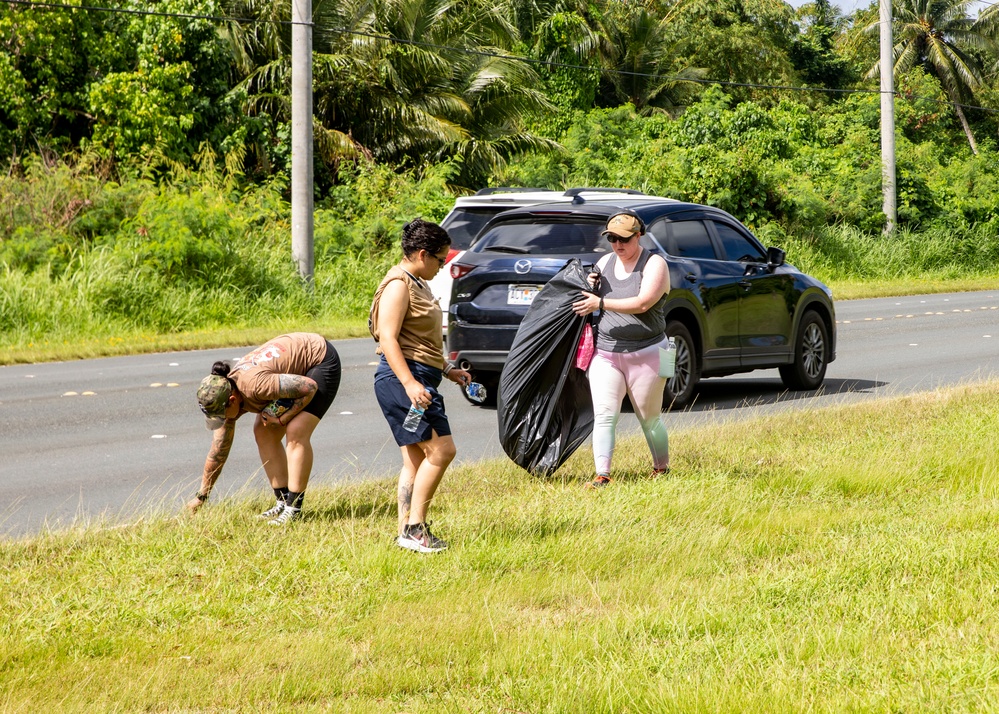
(623, 225)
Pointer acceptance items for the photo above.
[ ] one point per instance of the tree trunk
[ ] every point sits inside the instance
(967, 127)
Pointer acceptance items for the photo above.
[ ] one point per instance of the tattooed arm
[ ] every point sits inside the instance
(292, 386)
(217, 455)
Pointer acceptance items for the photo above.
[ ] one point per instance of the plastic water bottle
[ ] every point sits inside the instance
(667, 359)
(413, 418)
(476, 392)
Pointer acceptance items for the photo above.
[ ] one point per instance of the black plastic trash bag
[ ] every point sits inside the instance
(544, 407)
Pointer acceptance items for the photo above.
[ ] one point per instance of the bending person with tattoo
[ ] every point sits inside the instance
(405, 320)
(289, 383)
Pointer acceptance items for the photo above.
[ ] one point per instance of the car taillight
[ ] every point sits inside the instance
(452, 356)
(450, 254)
(460, 269)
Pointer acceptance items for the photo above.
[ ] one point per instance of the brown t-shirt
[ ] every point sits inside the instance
(420, 336)
(257, 374)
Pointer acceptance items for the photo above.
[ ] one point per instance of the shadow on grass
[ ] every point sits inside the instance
(337, 509)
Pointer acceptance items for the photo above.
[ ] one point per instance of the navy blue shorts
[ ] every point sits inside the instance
(395, 403)
(326, 375)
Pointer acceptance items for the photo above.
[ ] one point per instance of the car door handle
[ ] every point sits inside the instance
(691, 277)
(745, 284)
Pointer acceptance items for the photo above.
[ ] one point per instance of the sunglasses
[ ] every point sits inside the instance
(437, 258)
(618, 239)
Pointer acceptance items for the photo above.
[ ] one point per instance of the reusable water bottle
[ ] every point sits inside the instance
(413, 418)
(667, 359)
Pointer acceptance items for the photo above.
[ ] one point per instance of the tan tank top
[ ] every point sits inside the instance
(420, 336)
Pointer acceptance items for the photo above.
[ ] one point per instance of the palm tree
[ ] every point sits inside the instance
(401, 81)
(938, 34)
(636, 56)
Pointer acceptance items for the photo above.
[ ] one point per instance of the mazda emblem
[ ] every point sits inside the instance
(522, 266)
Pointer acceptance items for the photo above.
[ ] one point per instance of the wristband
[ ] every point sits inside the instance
(447, 368)
(601, 304)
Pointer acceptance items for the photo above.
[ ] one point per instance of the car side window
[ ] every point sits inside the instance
(690, 239)
(738, 246)
(655, 238)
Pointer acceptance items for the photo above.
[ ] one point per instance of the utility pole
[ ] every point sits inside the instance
(887, 118)
(301, 139)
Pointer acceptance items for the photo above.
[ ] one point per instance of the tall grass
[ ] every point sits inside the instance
(846, 254)
(838, 560)
(89, 267)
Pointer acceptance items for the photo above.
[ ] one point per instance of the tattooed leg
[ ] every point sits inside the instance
(412, 457)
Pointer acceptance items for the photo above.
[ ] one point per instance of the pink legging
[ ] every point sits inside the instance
(614, 374)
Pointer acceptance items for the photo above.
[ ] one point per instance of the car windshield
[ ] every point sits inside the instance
(463, 224)
(534, 238)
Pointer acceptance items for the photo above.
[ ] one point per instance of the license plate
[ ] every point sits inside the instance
(521, 294)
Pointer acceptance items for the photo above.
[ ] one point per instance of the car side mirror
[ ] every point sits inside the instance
(775, 258)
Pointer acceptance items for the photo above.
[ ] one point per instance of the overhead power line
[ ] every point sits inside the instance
(483, 53)
(154, 13)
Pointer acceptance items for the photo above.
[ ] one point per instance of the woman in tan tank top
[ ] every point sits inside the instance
(405, 320)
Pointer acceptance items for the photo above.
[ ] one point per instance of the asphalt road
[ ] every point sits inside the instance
(114, 437)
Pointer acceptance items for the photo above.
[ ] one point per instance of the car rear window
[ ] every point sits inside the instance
(463, 224)
(534, 238)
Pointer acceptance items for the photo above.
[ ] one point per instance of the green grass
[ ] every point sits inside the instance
(837, 560)
(88, 338)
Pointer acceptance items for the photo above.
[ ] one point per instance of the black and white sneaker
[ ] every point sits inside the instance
(288, 514)
(418, 538)
(273, 512)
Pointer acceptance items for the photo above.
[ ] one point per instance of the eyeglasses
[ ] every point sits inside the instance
(618, 239)
(437, 258)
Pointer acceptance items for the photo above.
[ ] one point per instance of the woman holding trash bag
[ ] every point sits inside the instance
(405, 320)
(631, 285)
(290, 383)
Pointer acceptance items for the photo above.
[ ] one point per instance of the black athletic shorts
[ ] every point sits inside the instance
(326, 375)
(395, 403)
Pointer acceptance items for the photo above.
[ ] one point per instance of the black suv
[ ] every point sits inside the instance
(734, 305)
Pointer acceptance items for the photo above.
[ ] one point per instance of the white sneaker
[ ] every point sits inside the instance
(274, 511)
(418, 538)
(287, 514)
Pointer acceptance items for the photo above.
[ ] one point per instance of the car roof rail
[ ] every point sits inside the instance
(573, 192)
(507, 189)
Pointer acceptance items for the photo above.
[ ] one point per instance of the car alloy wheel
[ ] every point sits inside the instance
(681, 386)
(811, 349)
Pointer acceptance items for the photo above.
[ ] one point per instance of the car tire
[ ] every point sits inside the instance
(489, 380)
(811, 354)
(680, 388)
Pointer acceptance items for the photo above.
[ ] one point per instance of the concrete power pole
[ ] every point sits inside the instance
(887, 118)
(301, 139)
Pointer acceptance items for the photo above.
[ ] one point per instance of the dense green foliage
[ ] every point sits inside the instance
(147, 155)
